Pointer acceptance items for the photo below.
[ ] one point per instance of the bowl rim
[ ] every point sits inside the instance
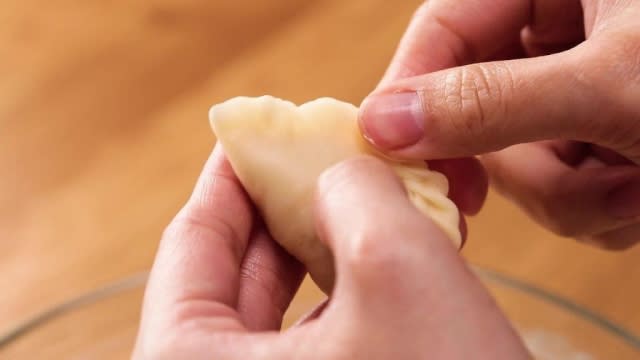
(138, 280)
(560, 302)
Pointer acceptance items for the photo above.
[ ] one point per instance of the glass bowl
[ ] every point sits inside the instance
(556, 328)
(103, 324)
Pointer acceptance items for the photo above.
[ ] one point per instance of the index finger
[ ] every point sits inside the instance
(198, 261)
(447, 33)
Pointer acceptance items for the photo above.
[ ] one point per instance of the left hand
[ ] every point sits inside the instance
(220, 285)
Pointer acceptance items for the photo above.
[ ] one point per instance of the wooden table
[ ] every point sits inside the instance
(103, 130)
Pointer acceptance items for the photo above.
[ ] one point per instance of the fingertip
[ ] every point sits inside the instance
(342, 181)
(350, 189)
(359, 174)
(218, 159)
(392, 121)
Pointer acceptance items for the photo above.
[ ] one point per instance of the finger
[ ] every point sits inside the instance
(617, 239)
(468, 182)
(196, 272)
(269, 278)
(313, 314)
(359, 241)
(571, 153)
(486, 107)
(464, 231)
(556, 25)
(574, 153)
(608, 156)
(190, 302)
(571, 201)
(447, 33)
(389, 257)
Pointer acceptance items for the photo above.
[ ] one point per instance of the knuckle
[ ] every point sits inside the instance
(265, 278)
(190, 224)
(619, 239)
(547, 208)
(626, 92)
(627, 45)
(462, 96)
(474, 96)
(186, 224)
(613, 65)
(613, 62)
(371, 256)
(608, 75)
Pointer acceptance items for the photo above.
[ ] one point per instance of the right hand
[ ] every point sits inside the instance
(548, 89)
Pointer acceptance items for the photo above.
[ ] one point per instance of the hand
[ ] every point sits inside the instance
(473, 77)
(220, 285)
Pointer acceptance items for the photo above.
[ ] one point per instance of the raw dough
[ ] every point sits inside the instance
(278, 150)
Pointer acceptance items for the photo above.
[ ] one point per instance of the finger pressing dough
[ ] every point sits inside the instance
(278, 150)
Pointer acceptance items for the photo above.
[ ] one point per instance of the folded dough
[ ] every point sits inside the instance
(278, 150)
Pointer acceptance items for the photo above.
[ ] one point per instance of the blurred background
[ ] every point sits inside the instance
(103, 131)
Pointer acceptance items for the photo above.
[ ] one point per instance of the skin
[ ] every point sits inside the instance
(547, 91)
(220, 285)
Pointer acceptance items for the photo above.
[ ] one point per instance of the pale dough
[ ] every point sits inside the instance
(278, 150)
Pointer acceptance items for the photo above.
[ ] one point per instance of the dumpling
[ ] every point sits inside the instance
(278, 150)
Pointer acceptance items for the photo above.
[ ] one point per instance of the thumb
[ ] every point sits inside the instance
(485, 107)
(398, 276)
(377, 236)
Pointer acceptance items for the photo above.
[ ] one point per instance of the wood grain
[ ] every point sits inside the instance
(103, 130)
